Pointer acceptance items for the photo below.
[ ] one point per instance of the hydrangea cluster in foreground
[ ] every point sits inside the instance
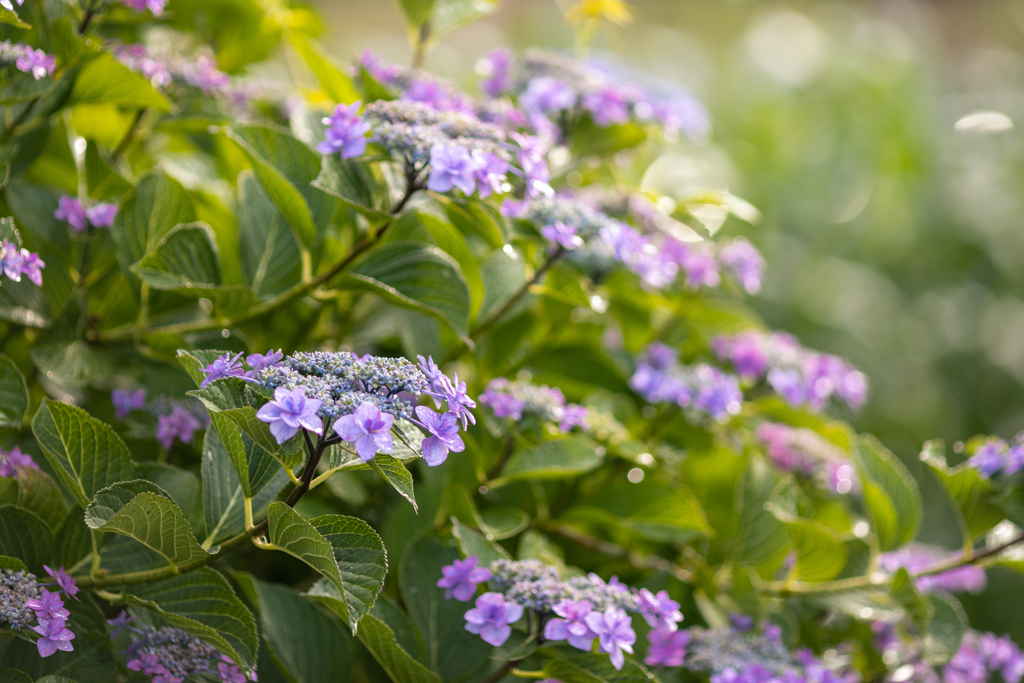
(24, 598)
(170, 655)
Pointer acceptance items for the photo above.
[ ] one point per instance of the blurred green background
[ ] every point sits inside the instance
(881, 140)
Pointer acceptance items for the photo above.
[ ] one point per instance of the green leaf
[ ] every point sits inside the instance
(38, 493)
(402, 667)
(473, 543)
(653, 511)
(450, 15)
(416, 276)
(593, 668)
(202, 603)
(350, 181)
(14, 676)
(394, 473)
(12, 19)
(147, 214)
(73, 539)
(186, 257)
(25, 536)
(890, 494)
(286, 167)
(946, 630)
(504, 521)
(138, 510)
(271, 262)
(12, 563)
(223, 493)
(905, 592)
(236, 400)
(762, 540)
(416, 12)
(452, 651)
(820, 553)
(308, 644)
(334, 82)
(553, 459)
(292, 534)
(85, 454)
(106, 80)
(361, 561)
(973, 497)
(13, 394)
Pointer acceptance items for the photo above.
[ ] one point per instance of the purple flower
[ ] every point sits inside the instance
(346, 132)
(461, 577)
(789, 384)
(490, 173)
(71, 210)
(503, 405)
(47, 606)
(126, 400)
(615, 633)
(745, 262)
(205, 75)
(101, 215)
(452, 166)
(573, 416)
(368, 429)
(259, 362)
(290, 410)
(229, 672)
(853, 388)
(572, 625)
(180, 424)
(20, 263)
(534, 165)
(495, 66)
(36, 62)
(444, 435)
(154, 6)
(454, 392)
(546, 94)
(719, 394)
(226, 365)
(746, 351)
(10, 462)
(666, 648)
(149, 664)
(54, 636)
(700, 265)
(607, 105)
(989, 457)
(119, 622)
(64, 580)
(491, 618)
(435, 378)
(660, 611)
(562, 234)
(444, 430)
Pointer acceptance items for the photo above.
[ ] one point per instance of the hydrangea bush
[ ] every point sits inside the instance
(370, 377)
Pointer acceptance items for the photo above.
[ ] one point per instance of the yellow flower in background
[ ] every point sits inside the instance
(614, 11)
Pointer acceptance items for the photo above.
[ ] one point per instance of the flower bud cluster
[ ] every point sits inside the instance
(918, 557)
(23, 598)
(12, 460)
(801, 376)
(170, 655)
(28, 59)
(17, 588)
(410, 129)
(995, 456)
(516, 399)
(805, 452)
(661, 378)
(545, 84)
(163, 65)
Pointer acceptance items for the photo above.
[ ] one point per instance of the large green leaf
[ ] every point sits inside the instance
(85, 454)
(271, 262)
(73, 539)
(286, 167)
(762, 540)
(309, 644)
(104, 80)
(39, 493)
(594, 668)
(186, 257)
(452, 651)
(402, 667)
(139, 510)
(905, 592)
(147, 214)
(223, 493)
(450, 15)
(473, 543)
(12, 19)
(395, 473)
(202, 603)
(13, 394)
(350, 181)
(653, 511)
(335, 83)
(362, 563)
(820, 553)
(292, 534)
(891, 496)
(973, 497)
(946, 629)
(25, 536)
(553, 459)
(416, 276)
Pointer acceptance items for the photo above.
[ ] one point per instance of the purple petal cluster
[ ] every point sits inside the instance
(614, 633)
(12, 460)
(802, 377)
(491, 618)
(16, 262)
(126, 401)
(571, 624)
(170, 655)
(346, 132)
(461, 578)
(368, 429)
(181, 423)
(154, 6)
(918, 557)
(660, 378)
(163, 65)
(804, 452)
(289, 410)
(27, 59)
(994, 456)
(745, 262)
(519, 399)
(77, 215)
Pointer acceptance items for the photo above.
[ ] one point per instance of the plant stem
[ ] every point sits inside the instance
(90, 12)
(796, 588)
(126, 140)
(503, 671)
(615, 550)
